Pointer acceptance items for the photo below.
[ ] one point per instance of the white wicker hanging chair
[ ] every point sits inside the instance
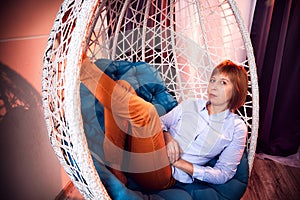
(183, 39)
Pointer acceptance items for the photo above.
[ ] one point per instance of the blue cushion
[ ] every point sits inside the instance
(145, 80)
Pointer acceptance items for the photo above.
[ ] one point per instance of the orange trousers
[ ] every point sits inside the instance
(133, 134)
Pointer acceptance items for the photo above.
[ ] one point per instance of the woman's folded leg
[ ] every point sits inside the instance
(147, 159)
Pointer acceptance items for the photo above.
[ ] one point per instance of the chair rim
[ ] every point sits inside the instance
(73, 125)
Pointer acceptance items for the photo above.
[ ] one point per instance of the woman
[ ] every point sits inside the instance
(157, 152)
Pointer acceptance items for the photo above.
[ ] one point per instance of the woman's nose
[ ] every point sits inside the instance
(214, 85)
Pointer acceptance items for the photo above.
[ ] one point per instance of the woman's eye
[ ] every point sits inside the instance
(212, 80)
(223, 82)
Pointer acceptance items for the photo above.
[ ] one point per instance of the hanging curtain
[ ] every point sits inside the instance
(275, 37)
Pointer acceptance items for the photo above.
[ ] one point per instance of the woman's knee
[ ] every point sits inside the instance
(142, 113)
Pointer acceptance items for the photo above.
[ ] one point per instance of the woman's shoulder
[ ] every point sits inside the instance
(238, 121)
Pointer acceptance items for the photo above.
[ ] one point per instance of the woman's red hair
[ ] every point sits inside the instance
(239, 78)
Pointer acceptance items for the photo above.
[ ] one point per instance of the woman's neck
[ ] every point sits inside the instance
(215, 109)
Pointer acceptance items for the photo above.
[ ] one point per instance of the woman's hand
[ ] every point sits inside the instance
(173, 149)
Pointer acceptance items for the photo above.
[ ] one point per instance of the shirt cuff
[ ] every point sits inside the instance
(198, 172)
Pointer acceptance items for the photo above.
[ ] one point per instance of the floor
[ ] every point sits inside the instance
(269, 181)
(273, 181)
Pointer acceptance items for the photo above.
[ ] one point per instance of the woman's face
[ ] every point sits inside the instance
(220, 90)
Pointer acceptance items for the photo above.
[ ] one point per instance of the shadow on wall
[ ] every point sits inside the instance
(29, 168)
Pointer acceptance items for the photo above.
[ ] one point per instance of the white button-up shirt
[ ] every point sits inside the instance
(202, 137)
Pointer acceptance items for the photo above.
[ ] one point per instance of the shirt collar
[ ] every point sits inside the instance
(216, 117)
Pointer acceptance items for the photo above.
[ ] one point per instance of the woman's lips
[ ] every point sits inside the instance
(212, 95)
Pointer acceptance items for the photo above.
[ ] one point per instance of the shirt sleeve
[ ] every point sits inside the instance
(171, 119)
(229, 159)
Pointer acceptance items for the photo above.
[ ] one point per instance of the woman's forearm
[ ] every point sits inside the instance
(184, 166)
